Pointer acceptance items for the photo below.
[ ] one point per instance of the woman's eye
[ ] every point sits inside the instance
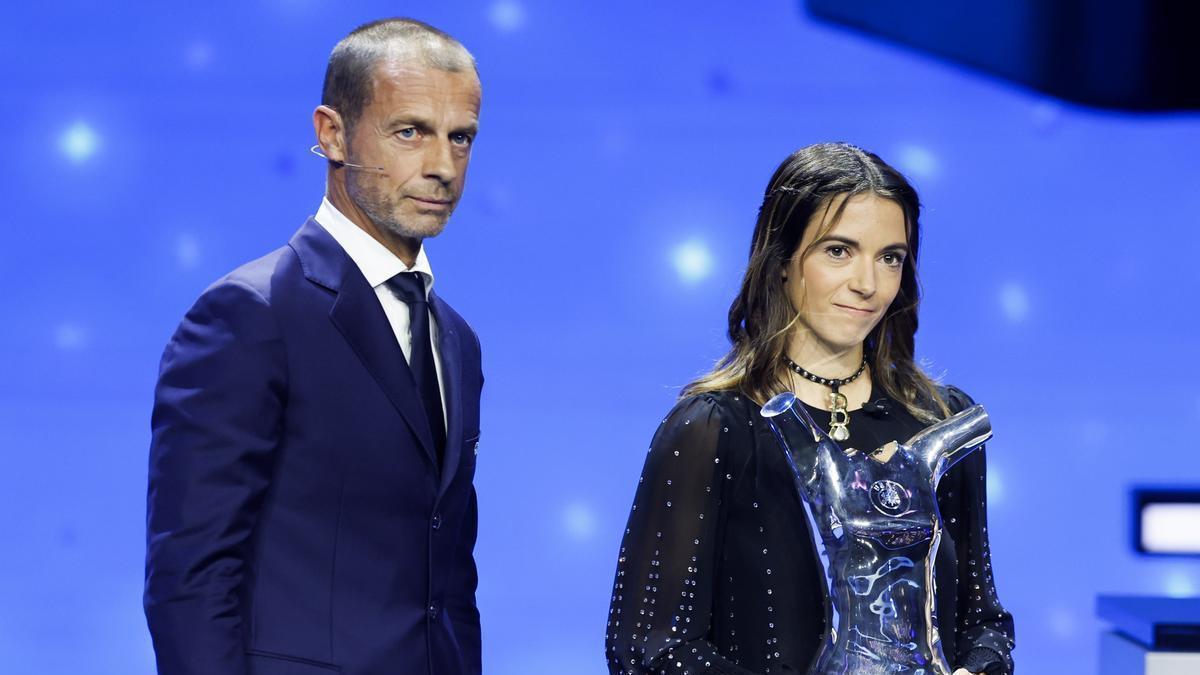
(837, 251)
(893, 259)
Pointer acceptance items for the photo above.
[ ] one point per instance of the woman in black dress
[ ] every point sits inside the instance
(716, 572)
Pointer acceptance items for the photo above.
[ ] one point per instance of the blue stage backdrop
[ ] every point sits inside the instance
(623, 154)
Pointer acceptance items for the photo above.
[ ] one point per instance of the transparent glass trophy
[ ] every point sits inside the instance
(876, 527)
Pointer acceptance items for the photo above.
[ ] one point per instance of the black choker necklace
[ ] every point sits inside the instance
(839, 420)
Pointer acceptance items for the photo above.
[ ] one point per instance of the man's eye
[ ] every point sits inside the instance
(407, 133)
(461, 139)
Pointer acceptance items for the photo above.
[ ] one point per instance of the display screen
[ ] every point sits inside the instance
(1168, 522)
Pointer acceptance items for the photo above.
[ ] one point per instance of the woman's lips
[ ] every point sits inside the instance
(855, 311)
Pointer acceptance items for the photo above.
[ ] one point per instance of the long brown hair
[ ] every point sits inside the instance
(761, 316)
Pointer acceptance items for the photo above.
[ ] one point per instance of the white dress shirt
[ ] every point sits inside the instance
(378, 265)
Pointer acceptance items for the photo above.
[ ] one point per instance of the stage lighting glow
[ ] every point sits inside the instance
(507, 15)
(187, 251)
(198, 55)
(70, 336)
(1178, 584)
(1061, 622)
(579, 521)
(1171, 528)
(917, 161)
(1014, 302)
(79, 142)
(995, 485)
(1045, 115)
(693, 262)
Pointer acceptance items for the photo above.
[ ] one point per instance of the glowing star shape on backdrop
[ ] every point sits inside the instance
(79, 142)
(693, 262)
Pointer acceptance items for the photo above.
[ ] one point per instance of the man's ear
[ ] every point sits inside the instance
(331, 133)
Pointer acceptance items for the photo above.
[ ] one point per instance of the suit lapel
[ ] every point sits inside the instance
(452, 384)
(359, 317)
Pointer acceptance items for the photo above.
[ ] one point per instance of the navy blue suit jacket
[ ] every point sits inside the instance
(298, 520)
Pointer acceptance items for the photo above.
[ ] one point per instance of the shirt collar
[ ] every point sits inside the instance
(376, 262)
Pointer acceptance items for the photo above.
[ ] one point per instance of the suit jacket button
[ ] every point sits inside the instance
(432, 611)
(437, 521)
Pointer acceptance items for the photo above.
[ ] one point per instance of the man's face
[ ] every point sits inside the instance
(419, 127)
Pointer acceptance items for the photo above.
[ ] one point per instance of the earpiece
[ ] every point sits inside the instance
(316, 150)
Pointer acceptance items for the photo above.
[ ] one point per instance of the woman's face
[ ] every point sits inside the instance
(843, 287)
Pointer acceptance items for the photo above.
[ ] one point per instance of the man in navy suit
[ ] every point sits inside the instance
(316, 419)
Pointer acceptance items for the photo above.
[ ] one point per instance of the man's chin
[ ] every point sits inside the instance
(416, 231)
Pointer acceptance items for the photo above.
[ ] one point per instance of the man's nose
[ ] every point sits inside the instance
(439, 161)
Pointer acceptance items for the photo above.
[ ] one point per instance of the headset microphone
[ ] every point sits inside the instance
(316, 150)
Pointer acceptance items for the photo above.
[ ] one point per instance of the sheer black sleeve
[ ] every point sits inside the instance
(662, 596)
(986, 635)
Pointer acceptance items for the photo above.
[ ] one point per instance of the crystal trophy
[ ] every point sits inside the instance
(874, 520)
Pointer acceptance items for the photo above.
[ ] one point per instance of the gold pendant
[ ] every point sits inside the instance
(839, 419)
(839, 432)
(837, 400)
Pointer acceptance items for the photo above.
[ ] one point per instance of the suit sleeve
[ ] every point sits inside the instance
(216, 422)
(463, 610)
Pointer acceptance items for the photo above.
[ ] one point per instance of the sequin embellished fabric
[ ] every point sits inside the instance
(717, 574)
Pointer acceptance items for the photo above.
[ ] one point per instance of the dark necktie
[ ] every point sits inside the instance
(410, 288)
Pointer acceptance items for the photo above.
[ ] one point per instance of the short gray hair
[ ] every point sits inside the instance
(348, 77)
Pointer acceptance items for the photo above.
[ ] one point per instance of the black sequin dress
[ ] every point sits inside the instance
(716, 572)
